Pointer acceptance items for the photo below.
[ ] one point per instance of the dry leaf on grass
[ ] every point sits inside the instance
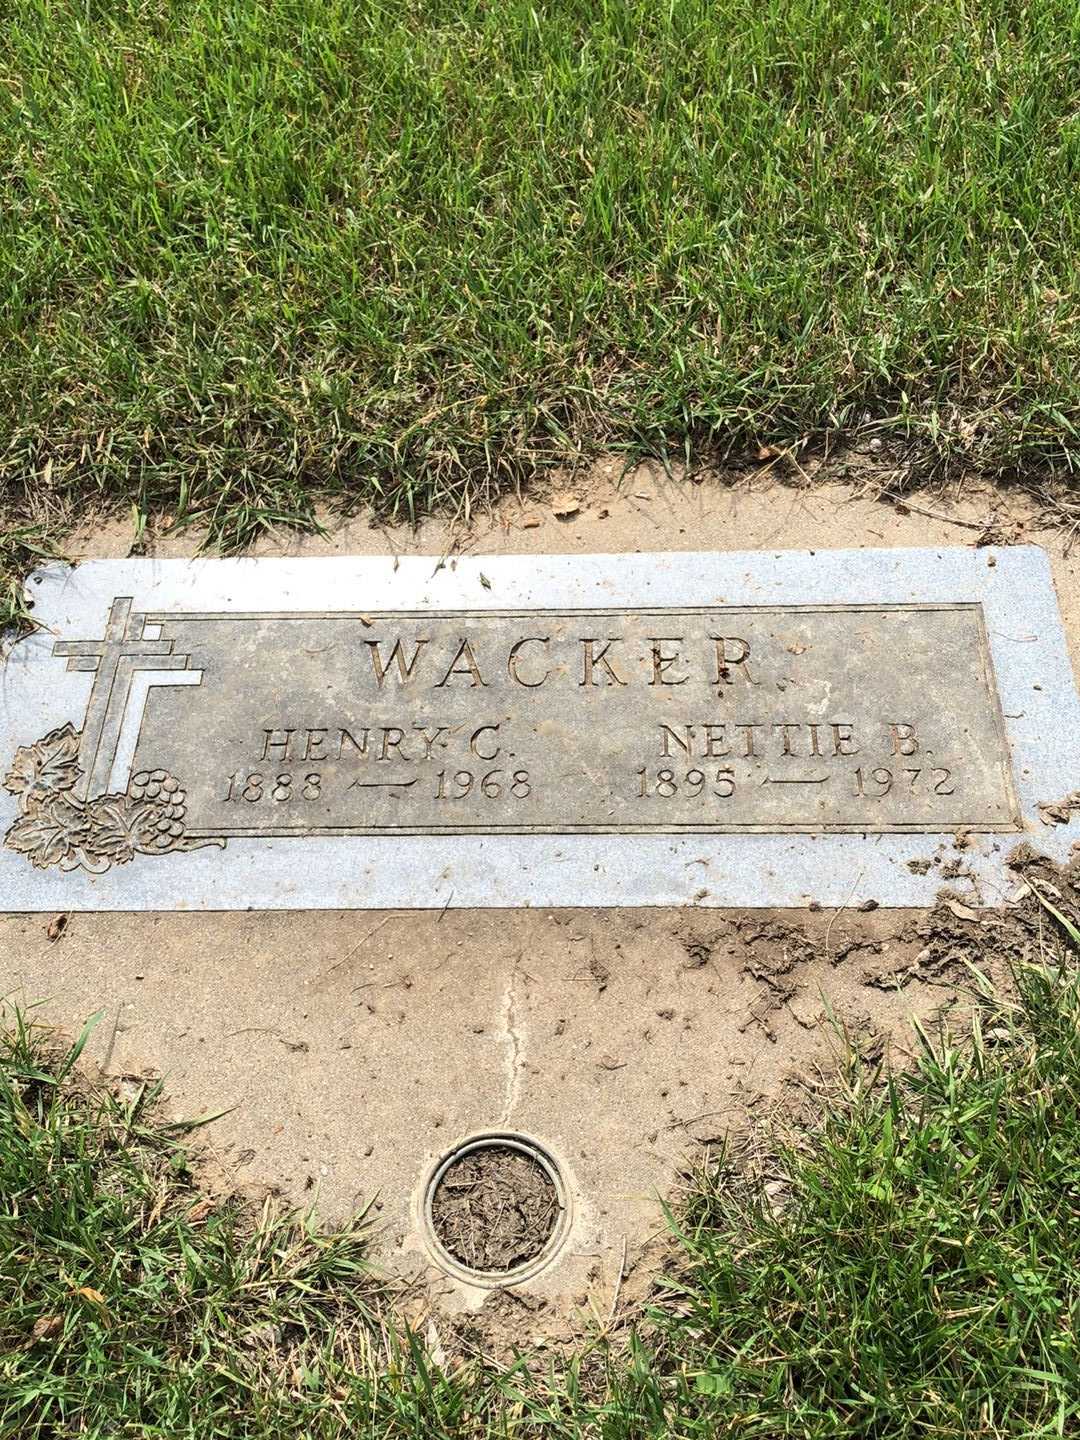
(96, 1298)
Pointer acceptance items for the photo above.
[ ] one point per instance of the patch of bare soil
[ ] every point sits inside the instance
(494, 1209)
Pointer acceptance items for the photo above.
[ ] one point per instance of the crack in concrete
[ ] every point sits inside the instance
(514, 1041)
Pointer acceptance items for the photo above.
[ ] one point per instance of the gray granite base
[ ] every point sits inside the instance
(120, 690)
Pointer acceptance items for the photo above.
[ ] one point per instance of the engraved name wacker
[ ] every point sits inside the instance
(875, 718)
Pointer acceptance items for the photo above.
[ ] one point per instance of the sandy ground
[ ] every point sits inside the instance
(354, 1048)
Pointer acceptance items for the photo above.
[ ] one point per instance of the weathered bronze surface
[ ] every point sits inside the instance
(599, 721)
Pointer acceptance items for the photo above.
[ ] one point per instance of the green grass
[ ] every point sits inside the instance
(918, 1276)
(21, 547)
(257, 252)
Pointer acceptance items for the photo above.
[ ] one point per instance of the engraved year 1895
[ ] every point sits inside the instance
(696, 783)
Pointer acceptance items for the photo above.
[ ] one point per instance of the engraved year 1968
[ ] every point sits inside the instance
(495, 785)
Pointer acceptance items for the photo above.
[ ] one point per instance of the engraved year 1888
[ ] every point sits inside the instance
(280, 787)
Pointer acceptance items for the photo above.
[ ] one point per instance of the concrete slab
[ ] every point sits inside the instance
(352, 1050)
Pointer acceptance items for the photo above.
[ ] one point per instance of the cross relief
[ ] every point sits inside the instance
(130, 646)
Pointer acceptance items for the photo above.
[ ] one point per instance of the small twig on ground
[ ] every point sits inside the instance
(362, 941)
(936, 514)
(618, 1288)
(836, 912)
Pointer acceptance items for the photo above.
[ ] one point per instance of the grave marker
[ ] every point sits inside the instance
(720, 729)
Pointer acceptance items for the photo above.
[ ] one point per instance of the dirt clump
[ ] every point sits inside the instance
(494, 1209)
(944, 945)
